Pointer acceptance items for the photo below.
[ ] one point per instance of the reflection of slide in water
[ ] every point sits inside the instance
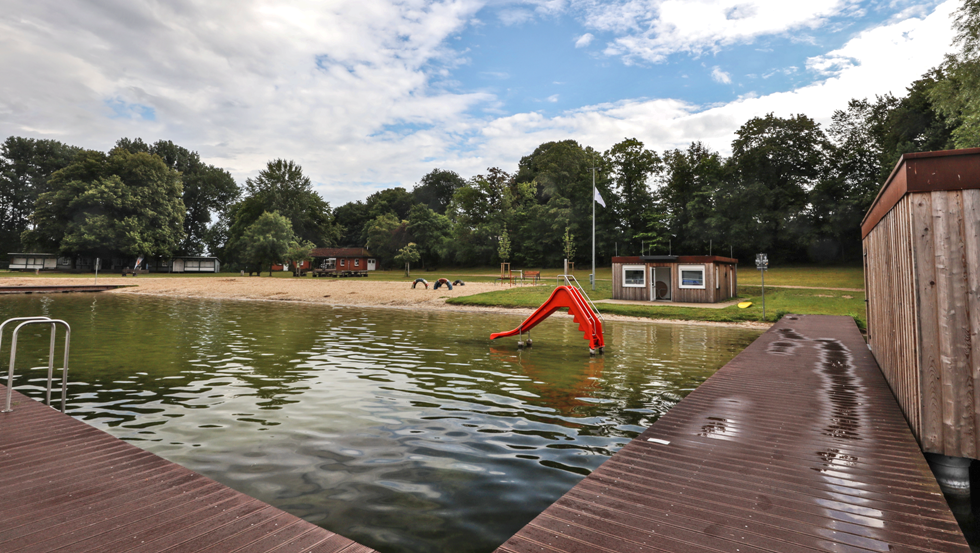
(564, 296)
(561, 388)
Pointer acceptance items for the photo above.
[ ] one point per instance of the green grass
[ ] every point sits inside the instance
(779, 301)
(816, 276)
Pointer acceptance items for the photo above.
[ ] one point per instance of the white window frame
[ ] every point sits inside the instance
(680, 276)
(357, 262)
(643, 271)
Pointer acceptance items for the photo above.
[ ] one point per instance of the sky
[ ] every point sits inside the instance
(370, 94)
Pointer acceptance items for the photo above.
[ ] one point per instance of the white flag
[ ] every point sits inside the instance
(598, 197)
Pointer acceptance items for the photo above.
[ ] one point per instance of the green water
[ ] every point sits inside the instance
(403, 430)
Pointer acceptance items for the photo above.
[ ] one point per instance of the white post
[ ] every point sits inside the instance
(593, 228)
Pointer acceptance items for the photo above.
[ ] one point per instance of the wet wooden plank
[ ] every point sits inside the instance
(67, 486)
(797, 444)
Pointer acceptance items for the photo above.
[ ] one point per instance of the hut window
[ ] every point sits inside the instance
(343, 262)
(692, 276)
(357, 262)
(634, 276)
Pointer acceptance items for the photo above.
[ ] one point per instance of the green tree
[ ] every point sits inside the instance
(406, 256)
(268, 240)
(436, 189)
(122, 204)
(957, 96)
(632, 167)
(351, 218)
(569, 244)
(391, 200)
(777, 162)
(503, 245)
(207, 189)
(431, 232)
(688, 212)
(26, 167)
(283, 187)
(297, 253)
(386, 234)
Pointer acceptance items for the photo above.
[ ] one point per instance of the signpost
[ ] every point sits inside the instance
(98, 262)
(762, 263)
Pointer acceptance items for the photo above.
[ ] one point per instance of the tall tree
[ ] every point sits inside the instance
(283, 188)
(26, 167)
(351, 218)
(268, 240)
(431, 232)
(957, 96)
(386, 235)
(777, 162)
(122, 204)
(436, 189)
(207, 189)
(632, 167)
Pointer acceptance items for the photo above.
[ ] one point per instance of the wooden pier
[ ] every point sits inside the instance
(67, 486)
(797, 444)
(60, 289)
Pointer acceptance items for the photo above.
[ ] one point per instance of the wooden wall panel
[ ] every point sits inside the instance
(621, 292)
(891, 307)
(959, 436)
(971, 233)
(930, 433)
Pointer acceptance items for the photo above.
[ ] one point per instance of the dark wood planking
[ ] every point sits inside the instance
(796, 445)
(67, 486)
(56, 289)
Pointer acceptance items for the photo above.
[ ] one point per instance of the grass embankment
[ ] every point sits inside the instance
(817, 300)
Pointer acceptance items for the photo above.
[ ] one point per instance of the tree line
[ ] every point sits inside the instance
(790, 187)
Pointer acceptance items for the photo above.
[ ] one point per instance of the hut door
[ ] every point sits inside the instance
(660, 284)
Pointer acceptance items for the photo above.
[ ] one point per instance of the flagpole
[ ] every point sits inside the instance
(593, 226)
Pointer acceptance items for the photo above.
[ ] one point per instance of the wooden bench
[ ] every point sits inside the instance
(535, 276)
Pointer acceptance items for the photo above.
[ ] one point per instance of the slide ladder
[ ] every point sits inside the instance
(579, 307)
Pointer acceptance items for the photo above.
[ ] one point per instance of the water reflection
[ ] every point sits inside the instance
(402, 430)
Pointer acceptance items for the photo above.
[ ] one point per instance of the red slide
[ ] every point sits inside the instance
(570, 297)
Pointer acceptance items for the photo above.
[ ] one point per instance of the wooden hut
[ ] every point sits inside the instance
(344, 260)
(922, 280)
(674, 278)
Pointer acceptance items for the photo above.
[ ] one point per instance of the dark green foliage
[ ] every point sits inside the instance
(268, 240)
(123, 204)
(282, 188)
(436, 189)
(26, 167)
(207, 190)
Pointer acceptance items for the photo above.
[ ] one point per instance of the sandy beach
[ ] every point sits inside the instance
(351, 292)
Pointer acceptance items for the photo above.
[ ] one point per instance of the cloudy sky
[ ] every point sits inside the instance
(368, 94)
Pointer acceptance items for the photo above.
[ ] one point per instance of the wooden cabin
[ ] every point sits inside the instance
(344, 259)
(195, 264)
(922, 280)
(675, 278)
(33, 261)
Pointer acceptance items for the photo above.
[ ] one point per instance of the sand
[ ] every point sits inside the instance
(351, 292)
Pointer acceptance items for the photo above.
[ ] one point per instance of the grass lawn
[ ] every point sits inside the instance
(816, 276)
(779, 301)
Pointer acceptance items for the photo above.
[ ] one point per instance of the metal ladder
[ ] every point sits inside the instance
(26, 321)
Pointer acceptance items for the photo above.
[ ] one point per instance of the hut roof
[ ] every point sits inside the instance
(340, 252)
(924, 172)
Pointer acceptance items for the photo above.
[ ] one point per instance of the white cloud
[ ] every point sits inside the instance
(339, 87)
(347, 90)
(720, 76)
(584, 40)
(650, 30)
(553, 98)
(884, 59)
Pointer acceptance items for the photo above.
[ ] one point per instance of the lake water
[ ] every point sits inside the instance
(407, 431)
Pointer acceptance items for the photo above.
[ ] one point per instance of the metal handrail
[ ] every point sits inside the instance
(13, 357)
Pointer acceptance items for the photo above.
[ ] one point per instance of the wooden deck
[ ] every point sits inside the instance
(55, 289)
(66, 486)
(797, 444)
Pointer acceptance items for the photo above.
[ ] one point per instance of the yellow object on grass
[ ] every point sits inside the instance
(744, 304)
